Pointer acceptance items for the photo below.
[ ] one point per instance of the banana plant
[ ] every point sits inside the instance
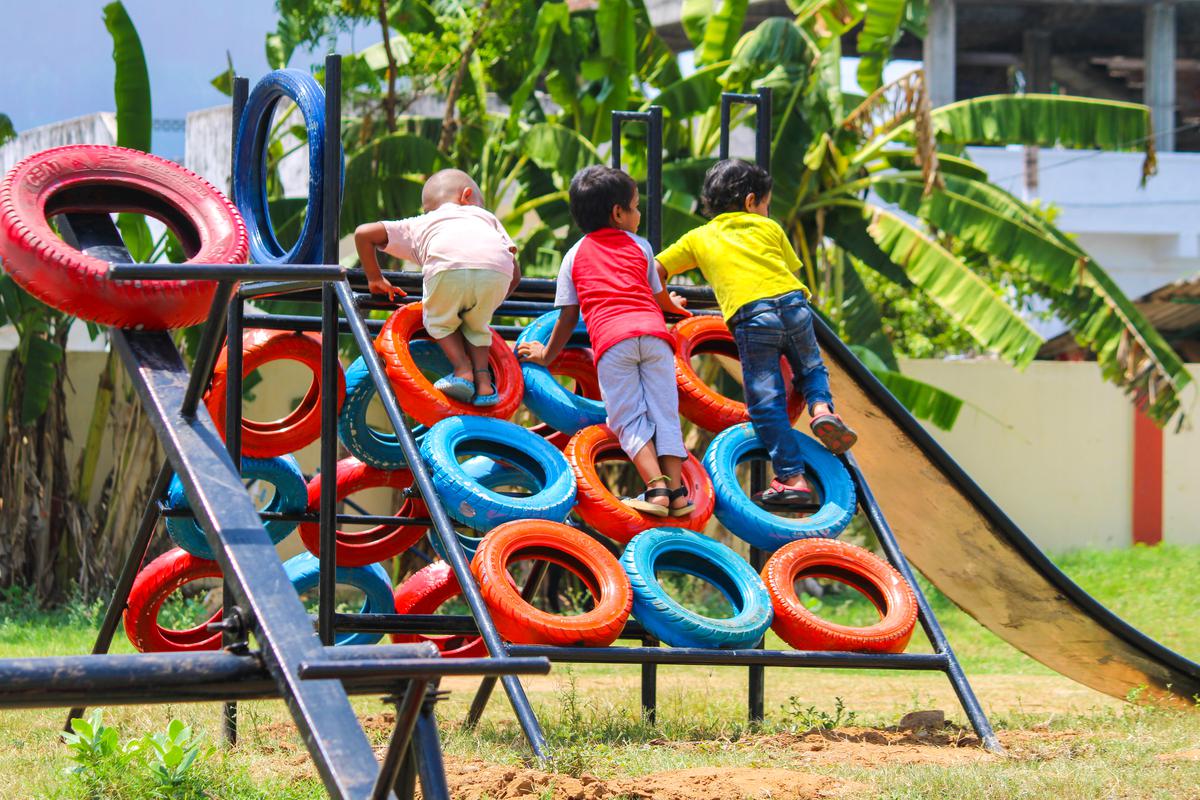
(884, 183)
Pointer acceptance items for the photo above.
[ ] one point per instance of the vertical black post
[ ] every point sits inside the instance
(233, 444)
(654, 193)
(329, 350)
(762, 130)
(653, 204)
(726, 102)
(757, 678)
(233, 397)
(762, 124)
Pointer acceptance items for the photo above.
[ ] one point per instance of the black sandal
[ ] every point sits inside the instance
(684, 510)
(790, 497)
(641, 503)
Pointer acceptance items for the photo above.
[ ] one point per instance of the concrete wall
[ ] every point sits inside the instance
(1053, 446)
(92, 129)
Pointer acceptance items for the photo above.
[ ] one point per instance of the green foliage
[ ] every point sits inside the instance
(131, 86)
(811, 718)
(39, 327)
(882, 25)
(172, 754)
(7, 131)
(158, 764)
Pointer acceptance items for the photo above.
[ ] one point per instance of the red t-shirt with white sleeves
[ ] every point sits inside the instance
(610, 275)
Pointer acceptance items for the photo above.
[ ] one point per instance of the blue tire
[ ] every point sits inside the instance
(491, 474)
(562, 410)
(759, 527)
(679, 550)
(303, 571)
(473, 504)
(380, 450)
(250, 166)
(291, 497)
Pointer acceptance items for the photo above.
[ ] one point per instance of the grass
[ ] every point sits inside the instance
(1066, 741)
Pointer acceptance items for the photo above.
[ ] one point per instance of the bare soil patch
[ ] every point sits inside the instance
(476, 780)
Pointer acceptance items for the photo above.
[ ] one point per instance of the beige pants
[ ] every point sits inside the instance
(466, 299)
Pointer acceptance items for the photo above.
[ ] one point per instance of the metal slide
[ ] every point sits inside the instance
(973, 553)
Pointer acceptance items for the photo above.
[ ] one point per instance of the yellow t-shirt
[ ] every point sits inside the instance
(743, 256)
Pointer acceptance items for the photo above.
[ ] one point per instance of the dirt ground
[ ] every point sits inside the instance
(869, 747)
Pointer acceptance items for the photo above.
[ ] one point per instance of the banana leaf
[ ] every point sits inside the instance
(383, 180)
(861, 320)
(880, 30)
(950, 283)
(693, 95)
(558, 149)
(722, 31)
(131, 86)
(7, 131)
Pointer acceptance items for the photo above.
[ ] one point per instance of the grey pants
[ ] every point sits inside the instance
(637, 383)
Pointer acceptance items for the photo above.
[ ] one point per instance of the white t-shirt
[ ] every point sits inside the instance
(452, 236)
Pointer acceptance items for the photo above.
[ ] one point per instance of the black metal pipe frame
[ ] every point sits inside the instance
(762, 132)
(442, 526)
(653, 205)
(231, 636)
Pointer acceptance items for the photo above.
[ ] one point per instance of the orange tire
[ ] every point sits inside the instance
(426, 404)
(582, 556)
(854, 566)
(698, 401)
(157, 581)
(604, 511)
(578, 364)
(360, 548)
(423, 593)
(299, 428)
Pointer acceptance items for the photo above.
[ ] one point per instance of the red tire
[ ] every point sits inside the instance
(157, 581)
(360, 548)
(426, 404)
(859, 568)
(578, 364)
(302, 426)
(699, 402)
(584, 557)
(98, 178)
(604, 511)
(423, 593)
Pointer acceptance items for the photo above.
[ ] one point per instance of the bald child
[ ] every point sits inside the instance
(468, 268)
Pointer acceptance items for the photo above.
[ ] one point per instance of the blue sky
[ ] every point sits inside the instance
(56, 59)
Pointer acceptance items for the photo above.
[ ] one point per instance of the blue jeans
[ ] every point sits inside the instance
(765, 331)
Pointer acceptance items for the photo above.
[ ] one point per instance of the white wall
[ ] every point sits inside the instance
(1053, 446)
(92, 129)
(1144, 237)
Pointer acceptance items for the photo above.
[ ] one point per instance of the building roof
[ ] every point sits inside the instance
(1174, 311)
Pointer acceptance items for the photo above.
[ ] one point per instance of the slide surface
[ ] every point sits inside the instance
(975, 555)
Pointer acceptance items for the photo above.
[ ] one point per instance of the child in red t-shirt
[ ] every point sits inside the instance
(610, 275)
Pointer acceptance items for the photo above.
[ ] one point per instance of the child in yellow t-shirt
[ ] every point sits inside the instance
(747, 258)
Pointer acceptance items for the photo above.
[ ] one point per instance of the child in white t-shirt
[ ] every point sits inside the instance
(468, 268)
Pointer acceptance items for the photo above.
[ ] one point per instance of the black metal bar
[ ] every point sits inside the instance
(233, 445)
(261, 290)
(129, 571)
(247, 558)
(135, 679)
(427, 749)
(233, 401)
(736, 658)
(422, 668)
(442, 526)
(757, 675)
(762, 139)
(407, 709)
(488, 684)
(227, 272)
(308, 516)
(327, 580)
(653, 119)
(929, 622)
(650, 685)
